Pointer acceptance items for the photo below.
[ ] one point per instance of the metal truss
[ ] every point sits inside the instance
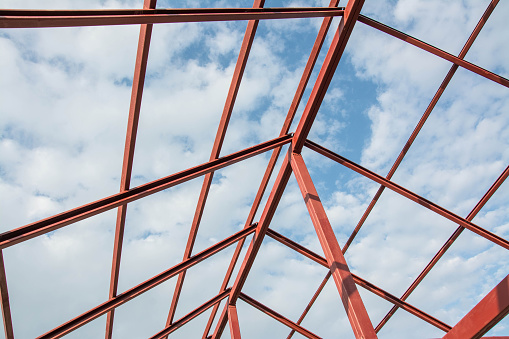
(488, 312)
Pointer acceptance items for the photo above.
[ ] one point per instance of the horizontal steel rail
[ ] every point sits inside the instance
(352, 302)
(66, 18)
(409, 194)
(447, 245)
(124, 297)
(306, 74)
(361, 282)
(434, 50)
(32, 230)
(277, 316)
(191, 315)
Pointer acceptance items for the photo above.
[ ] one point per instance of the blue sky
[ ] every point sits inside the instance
(63, 114)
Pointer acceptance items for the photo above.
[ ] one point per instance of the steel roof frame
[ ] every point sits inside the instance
(483, 316)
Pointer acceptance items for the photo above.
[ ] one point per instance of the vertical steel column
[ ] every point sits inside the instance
(130, 142)
(4, 299)
(486, 314)
(359, 319)
(233, 320)
(216, 150)
(322, 33)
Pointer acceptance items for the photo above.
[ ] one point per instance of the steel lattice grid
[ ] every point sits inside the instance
(494, 309)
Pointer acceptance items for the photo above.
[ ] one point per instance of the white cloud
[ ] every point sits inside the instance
(454, 160)
(63, 119)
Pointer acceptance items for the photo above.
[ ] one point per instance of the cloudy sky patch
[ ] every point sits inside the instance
(63, 115)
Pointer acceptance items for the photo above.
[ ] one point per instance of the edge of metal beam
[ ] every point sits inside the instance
(46, 225)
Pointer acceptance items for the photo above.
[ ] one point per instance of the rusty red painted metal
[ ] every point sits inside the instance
(358, 280)
(38, 19)
(124, 297)
(278, 317)
(4, 300)
(410, 195)
(130, 142)
(233, 320)
(486, 314)
(275, 154)
(191, 315)
(322, 83)
(424, 117)
(66, 218)
(216, 150)
(261, 229)
(436, 51)
(311, 302)
(447, 244)
(479, 320)
(354, 306)
(223, 318)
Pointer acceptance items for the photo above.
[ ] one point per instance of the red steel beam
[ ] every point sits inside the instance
(486, 314)
(144, 286)
(333, 55)
(24, 19)
(32, 230)
(277, 316)
(352, 301)
(417, 129)
(409, 194)
(233, 320)
(424, 117)
(191, 315)
(447, 244)
(223, 318)
(130, 142)
(318, 93)
(261, 229)
(216, 150)
(254, 246)
(322, 33)
(436, 51)
(297, 247)
(358, 280)
(311, 255)
(209, 172)
(400, 303)
(4, 300)
(308, 69)
(329, 66)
